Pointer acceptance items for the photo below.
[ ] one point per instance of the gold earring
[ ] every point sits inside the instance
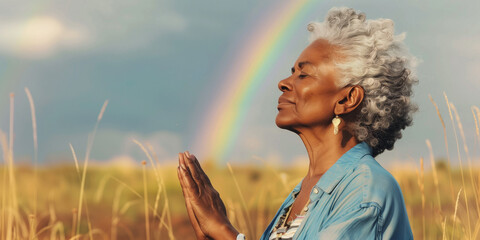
(336, 121)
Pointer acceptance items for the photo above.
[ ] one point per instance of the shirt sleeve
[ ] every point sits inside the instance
(364, 222)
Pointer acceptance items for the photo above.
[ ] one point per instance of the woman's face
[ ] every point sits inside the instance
(308, 97)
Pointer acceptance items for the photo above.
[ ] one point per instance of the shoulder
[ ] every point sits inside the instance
(377, 184)
(380, 190)
(366, 184)
(368, 196)
(366, 181)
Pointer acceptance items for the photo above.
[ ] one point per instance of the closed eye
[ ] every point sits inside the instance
(302, 75)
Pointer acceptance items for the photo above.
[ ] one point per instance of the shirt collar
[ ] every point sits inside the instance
(337, 171)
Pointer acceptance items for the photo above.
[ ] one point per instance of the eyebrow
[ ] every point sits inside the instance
(301, 64)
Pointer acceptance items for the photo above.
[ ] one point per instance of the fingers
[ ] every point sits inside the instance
(192, 167)
(191, 214)
(189, 186)
(181, 161)
(195, 168)
(181, 180)
(182, 183)
(204, 205)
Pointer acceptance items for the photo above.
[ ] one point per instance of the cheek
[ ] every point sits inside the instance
(304, 93)
(311, 97)
(316, 106)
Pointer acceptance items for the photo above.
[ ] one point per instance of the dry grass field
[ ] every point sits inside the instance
(81, 201)
(114, 202)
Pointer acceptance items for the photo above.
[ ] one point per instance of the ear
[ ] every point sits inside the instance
(350, 99)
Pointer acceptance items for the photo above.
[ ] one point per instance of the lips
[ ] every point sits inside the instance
(282, 101)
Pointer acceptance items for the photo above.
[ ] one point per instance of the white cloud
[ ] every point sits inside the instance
(111, 26)
(39, 37)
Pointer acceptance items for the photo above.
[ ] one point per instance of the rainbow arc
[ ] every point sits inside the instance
(256, 58)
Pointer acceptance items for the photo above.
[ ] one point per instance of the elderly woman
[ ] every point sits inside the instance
(348, 98)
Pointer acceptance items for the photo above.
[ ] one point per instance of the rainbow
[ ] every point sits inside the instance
(222, 125)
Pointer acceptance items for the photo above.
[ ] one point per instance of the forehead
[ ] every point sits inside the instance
(319, 51)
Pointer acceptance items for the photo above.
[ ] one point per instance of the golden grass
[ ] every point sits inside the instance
(145, 198)
(121, 213)
(146, 202)
(421, 186)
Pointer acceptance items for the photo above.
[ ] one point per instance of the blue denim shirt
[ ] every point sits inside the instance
(355, 199)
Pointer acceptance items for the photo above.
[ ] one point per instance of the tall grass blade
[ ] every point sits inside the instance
(74, 222)
(58, 228)
(449, 165)
(421, 186)
(470, 166)
(115, 209)
(13, 189)
(75, 159)
(35, 149)
(32, 226)
(127, 187)
(476, 117)
(145, 199)
(435, 175)
(455, 213)
(450, 106)
(161, 187)
(244, 203)
(157, 177)
(3, 220)
(101, 188)
(444, 224)
(85, 165)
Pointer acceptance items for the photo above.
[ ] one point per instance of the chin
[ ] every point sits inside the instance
(284, 123)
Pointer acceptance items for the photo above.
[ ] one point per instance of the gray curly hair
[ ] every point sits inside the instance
(378, 61)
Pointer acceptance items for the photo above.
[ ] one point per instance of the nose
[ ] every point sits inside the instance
(285, 85)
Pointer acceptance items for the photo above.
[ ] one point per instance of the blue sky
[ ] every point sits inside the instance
(158, 63)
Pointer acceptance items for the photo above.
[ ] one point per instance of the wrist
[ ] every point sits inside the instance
(226, 231)
(240, 236)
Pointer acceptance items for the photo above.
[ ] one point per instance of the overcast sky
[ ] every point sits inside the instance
(158, 63)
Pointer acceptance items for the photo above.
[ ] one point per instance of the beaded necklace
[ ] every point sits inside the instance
(282, 226)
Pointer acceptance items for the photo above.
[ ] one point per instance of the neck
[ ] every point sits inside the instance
(325, 148)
